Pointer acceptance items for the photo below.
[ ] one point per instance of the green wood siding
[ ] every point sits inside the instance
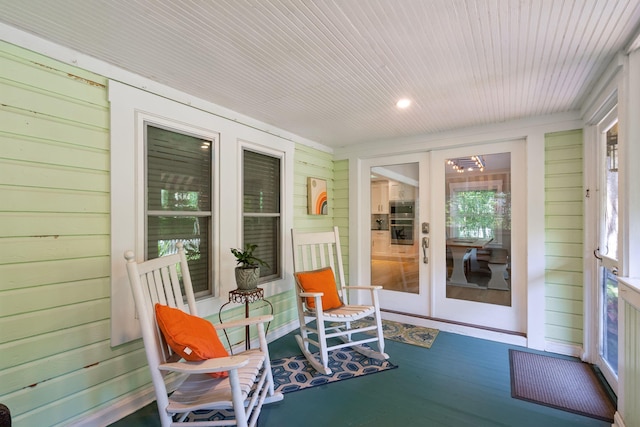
(341, 211)
(54, 224)
(564, 237)
(341, 195)
(310, 162)
(56, 360)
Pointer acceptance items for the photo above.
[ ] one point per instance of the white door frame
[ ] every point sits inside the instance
(533, 130)
(592, 281)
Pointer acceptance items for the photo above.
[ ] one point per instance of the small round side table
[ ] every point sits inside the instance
(246, 297)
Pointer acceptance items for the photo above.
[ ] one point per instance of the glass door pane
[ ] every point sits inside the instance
(609, 316)
(478, 224)
(608, 350)
(394, 234)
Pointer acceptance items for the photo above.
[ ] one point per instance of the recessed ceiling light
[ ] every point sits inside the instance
(403, 103)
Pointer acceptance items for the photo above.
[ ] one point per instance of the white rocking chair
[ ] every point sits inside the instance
(315, 251)
(249, 383)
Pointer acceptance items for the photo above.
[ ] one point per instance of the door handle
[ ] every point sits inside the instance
(425, 245)
(596, 253)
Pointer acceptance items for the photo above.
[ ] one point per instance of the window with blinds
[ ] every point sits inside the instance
(179, 208)
(262, 210)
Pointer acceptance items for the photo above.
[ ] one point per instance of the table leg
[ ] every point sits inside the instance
(457, 275)
(224, 330)
(246, 328)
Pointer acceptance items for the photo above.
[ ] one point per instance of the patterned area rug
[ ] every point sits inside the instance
(402, 332)
(294, 373)
(569, 385)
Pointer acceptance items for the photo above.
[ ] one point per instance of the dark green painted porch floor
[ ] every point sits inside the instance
(461, 381)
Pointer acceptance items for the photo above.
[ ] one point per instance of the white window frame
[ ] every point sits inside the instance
(130, 108)
(490, 185)
(144, 120)
(245, 145)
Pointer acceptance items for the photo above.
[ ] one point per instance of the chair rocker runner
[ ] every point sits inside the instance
(322, 296)
(182, 386)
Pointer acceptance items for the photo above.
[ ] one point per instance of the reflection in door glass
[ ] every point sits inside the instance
(478, 218)
(609, 283)
(394, 237)
(610, 248)
(609, 347)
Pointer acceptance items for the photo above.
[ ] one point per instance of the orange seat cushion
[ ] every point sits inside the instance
(192, 337)
(324, 281)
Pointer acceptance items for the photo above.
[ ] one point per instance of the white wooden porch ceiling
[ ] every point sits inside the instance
(332, 70)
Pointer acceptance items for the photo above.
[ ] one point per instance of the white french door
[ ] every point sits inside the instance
(447, 243)
(607, 251)
(478, 238)
(399, 202)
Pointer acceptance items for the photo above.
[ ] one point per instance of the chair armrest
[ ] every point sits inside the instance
(219, 364)
(310, 294)
(244, 322)
(317, 296)
(365, 288)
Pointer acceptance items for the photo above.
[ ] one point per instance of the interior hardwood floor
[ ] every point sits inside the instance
(489, 296)
(485, 295)
(460, 382)
(397, 274)
(401, 274)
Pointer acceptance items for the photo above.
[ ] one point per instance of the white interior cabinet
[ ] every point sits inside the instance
(401, 191)
(380, 197)
(380, 242)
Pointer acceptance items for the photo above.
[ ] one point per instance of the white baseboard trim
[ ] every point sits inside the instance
(117, 409)
(282, 330)
(617, 420)
(458, 329)
(563, 348)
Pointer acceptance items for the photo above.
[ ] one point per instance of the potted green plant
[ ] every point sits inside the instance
(248, 267)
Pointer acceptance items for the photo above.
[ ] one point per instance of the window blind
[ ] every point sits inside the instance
(179, 182)
(261, 208)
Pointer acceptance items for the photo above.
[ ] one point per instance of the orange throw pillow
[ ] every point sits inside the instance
(191, 337)
(323, 281)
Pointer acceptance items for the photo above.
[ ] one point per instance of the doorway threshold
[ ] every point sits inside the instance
(460, 324)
